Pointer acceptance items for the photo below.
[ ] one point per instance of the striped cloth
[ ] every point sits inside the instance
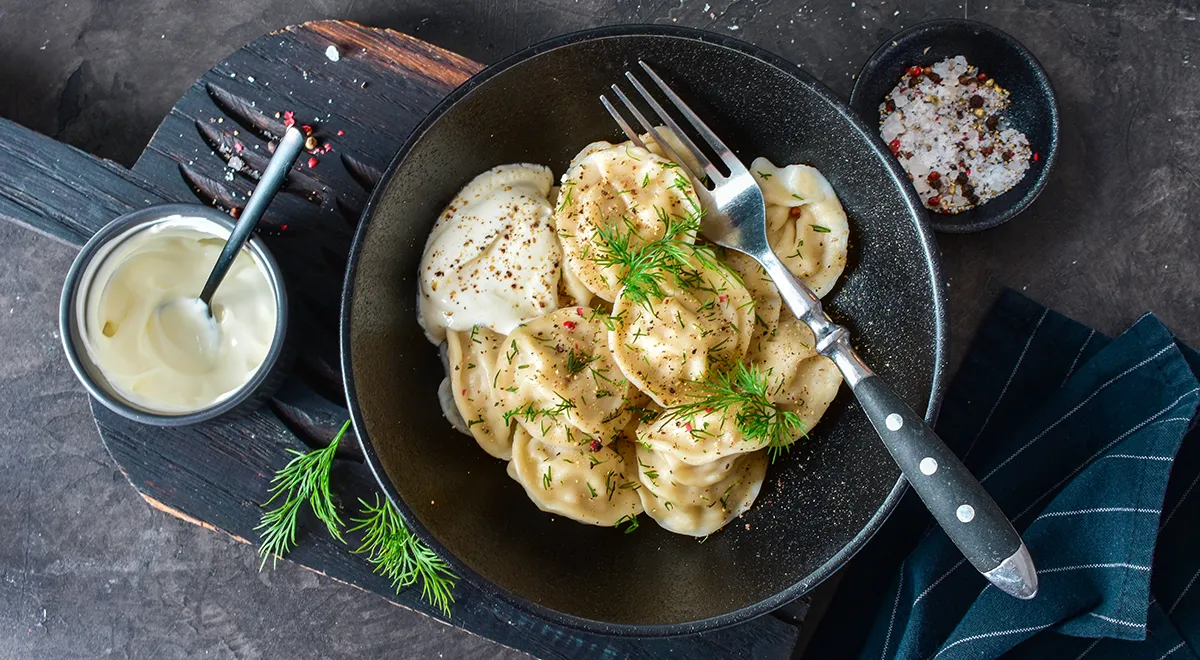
(1090, 445)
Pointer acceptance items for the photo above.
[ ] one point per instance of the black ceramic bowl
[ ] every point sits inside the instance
(820, 503)
(1034, 110)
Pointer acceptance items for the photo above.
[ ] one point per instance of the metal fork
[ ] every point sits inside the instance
(735, 217)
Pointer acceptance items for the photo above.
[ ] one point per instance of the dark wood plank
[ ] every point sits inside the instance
(217, 474)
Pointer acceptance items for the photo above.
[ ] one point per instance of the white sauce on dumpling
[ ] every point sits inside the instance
(492, 258)
(806, 225)
(594, 487)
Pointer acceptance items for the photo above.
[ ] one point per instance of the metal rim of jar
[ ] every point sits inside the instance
(78, 283)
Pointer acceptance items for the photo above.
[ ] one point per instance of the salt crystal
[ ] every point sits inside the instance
(333, 54)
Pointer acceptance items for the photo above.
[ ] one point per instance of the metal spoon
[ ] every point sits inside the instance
(188, 320)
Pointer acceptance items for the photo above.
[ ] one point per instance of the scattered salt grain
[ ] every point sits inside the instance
(333, 54)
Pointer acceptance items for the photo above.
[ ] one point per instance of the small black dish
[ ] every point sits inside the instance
(1034, 110)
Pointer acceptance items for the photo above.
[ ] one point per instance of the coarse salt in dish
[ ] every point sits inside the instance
(945, 124)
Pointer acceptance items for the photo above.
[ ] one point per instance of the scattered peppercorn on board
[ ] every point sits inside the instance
(356, 92)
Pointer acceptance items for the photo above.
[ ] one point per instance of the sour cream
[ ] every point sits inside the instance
(492, 258)
(153, 341)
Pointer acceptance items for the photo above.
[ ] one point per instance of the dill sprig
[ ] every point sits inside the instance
(387, 542)
(305, 479)
(578, 361)
(645, 265)
(743, 392)
(400, 556)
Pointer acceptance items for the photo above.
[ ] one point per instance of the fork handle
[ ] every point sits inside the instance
(959, 503)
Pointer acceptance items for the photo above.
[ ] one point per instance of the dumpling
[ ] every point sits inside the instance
(556, 377)
(472, 366)
(799, 379)
(674, 142)
(617, 188)
(492, 258)
(662, 344)
(700, 510)
(698, 439)
(594, 487)
(767, 302)
(806, 224)
(654, 464)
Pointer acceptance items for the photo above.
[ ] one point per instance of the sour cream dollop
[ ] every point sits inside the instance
(152, 350)
(492, 258)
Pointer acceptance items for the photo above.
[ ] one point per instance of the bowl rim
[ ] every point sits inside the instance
(1049, 154)
(77, 355)
(926, 243)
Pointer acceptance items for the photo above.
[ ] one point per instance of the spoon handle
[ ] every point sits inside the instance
(272, 180)
(969, 516)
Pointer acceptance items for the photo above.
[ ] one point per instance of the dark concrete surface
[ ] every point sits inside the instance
(89, 570)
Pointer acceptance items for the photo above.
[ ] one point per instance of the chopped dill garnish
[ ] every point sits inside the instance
(631, 522)
(819, 229)
(764, 175)
(742, 392)
(578, 361)
(548, 478)
(590, 489)
(530, 413)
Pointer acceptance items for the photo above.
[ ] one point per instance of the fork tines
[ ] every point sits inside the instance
(723, 153)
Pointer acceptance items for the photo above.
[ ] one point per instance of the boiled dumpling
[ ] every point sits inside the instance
(806, 224)
(617, 188)
(799, 379)
(662, 344)
(556, 377)
(472, 367)
(594, 487)
(767, 303)
(700, 438)
(492, 258)
(701, 510)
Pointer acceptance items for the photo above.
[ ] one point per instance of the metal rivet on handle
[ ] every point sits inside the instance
(966, 513)
(928, 466)
(894, 421)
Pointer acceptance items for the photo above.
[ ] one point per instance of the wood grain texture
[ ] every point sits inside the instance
(363, 106)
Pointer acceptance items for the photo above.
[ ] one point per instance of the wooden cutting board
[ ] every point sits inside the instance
(361, 90)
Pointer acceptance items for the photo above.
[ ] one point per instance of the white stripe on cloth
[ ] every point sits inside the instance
(939, 581)
(1080, 567)
(887, 641)
(1089, 648)
(998, 633)
(1184, 592)
(1141, 458)
(1178, 504)
(1004, 390)
(1129, 624)
(1172, 650)
(1078, 355)
(1106, 509)
(1081, 404)
(1135, 429)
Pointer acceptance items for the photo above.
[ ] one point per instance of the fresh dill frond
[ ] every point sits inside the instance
(400, 556)
(531, 413)
(577, 361)
(741, 392)
(630, 521)
(646, 265)
(304, 480)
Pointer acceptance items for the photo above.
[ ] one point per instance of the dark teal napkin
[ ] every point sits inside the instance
(1089, 444)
